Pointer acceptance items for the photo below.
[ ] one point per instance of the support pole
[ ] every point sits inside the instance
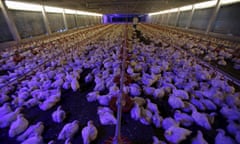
(168, 17)
(178, 14)
(76, 20)
(213, 17)
(46, 22)
(190, 18)
(161, 21)
(65, 20)
(11, 25)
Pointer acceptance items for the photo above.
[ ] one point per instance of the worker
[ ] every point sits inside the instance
(17, 57)
(135, 22)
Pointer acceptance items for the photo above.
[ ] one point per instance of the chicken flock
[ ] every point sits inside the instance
(170, 89)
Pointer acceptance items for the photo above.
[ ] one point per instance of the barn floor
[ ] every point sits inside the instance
(78, 108)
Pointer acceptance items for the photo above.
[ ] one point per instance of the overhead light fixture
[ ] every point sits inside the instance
(53, 9)
(22, 6)
(158, 13)
(186, 8)
(206, 4)
(69, 11)
(201, 5)
(225, 2)
(173, 10)
(35, 7)
(87, 13)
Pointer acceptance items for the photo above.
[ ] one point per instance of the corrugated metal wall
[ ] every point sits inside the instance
(183, 18)
(201, 18)
(55, 21)
(32, 23)
(228, 20)
(164, 20)
(4, 29)
(28, 23)
(80, 20)
(172, 19)
(159, 19)
(71, 21)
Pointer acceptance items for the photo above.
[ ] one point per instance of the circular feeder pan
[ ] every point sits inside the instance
(117, 79)
(123, 140)
(128, 79)
(126, 108)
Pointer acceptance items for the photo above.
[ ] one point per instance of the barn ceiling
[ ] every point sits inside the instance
(116, 6)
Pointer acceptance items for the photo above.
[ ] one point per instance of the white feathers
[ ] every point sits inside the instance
(7, 119)
(175, 102)
(199, 139)
(176, 134)
(69, 130)
(157, 120)
(59, 115)
(136, 112)
(159, 93)
(221, 138)
(75, 85)
(152, 106)
(104, 99)
(106, 116)
(183, 118)
(89, 133)
(57, 83)
(148, 90)
(92, 96)
(54, 97)
(168, 122)
(18, 126)
(135, 89)
(5, 109)
(149, 80)
(139, 100)
(88, 78)
(230, 113)
(209, 104)
(181, 94)
(201, 119)
(34, 140)
(33, 130)
(146, 116)
(157, 141)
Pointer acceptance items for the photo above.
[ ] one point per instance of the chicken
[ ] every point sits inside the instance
(69, 130)
(89, 133)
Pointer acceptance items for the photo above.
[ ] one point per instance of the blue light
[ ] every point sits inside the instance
(122, 18)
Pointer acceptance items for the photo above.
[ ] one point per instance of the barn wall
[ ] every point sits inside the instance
(71, 21)
(31, 24)
(28, 23)
(55, 22)
(183, 18)
(172, 19)
(201, 18)
(226, 22)
(5, 34)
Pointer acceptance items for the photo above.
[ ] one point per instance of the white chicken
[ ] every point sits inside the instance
(89, 133)
(59, 115)
(18, 126)
(69, 130)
